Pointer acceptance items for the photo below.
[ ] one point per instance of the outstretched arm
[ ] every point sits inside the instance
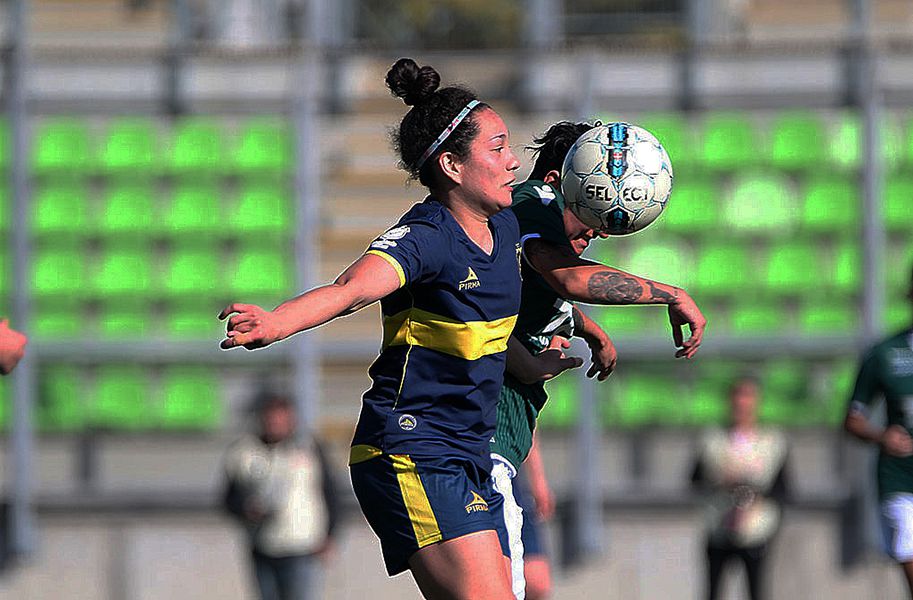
(586, 281)
(367, 280)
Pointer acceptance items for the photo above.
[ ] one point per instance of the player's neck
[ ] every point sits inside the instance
(473, 222)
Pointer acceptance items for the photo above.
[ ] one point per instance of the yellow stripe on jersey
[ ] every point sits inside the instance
(424, 524)
(393, 263)
(469, 340)
(362, 452)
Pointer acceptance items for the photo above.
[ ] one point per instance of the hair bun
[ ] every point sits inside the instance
(412, 83)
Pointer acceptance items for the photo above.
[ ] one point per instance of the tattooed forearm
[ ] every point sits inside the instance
(658, 294)
(614, 288)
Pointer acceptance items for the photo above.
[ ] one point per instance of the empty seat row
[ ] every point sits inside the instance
(789, 397)
(135, 271)
(136, 146)
(136, 209)
(791, 141)
(124, 397)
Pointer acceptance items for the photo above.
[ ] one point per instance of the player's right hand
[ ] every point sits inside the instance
(683, 312)
(896, 441)
(251, 327)
(552, 362)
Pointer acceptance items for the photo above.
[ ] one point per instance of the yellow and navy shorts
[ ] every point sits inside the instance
(412, 502)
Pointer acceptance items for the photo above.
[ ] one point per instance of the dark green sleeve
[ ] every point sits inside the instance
(867, 386)
(539, 209)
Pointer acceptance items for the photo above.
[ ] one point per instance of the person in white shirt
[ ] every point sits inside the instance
(279, 485)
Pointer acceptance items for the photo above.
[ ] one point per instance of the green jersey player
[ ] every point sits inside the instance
(554, 277)
(887, 370)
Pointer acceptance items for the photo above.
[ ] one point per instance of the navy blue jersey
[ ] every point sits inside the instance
(437, 379)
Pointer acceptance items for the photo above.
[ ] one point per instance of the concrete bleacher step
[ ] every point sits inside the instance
(98, 24)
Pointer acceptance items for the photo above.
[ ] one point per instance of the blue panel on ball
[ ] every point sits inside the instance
(618, 134)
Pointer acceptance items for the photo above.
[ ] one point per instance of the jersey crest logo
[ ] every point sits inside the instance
(387, 239)
(546, 193)
(471, 282)
(476, 503)
(407, 422)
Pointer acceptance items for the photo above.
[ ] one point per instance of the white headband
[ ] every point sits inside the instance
(446, 133)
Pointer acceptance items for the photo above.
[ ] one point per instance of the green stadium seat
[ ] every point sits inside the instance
(799, 141)
(60, 399)
(190, 399)
(125, 320)
(194, 210)
(60, 212)
(898, 200)
(729, 141)
(693, 208)
(262, 272)
(649, 398)
(197, 146)
(130, 146)
(123, 271)
(762, 204)
(562, 408)
(620, 321)
(264, 146)
(708, 405)
(194, 320)
(832, 205)
(62, 145)
(721, 269)
(668, 262)
(121, 399)
(789, 267)
(128, 210)
(785, 378)
(58, 271)
(58, 319)
(777, 411)
(898, 315)
(192, 271)
(829, 318)
(674, 133)
(756, 319)
(846, 143)
(262, 209)
(846, 275)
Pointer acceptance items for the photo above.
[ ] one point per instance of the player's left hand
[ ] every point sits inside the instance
(683, 312)
(545, 501)
(604, 358)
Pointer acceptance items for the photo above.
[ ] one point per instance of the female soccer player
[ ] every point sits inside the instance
(448, 279)
(554, 276)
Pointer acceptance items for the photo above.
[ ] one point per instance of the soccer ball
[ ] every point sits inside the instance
(617, 178)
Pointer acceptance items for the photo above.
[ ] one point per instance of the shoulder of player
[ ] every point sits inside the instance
(899, 339)
(534, 192)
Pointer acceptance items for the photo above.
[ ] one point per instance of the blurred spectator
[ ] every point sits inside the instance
(533, 494)
(281, 488)
(887, 370)
(12, 347)
(742, 471)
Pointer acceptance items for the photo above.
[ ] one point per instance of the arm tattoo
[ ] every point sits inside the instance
(614, 288)
(658, 294)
